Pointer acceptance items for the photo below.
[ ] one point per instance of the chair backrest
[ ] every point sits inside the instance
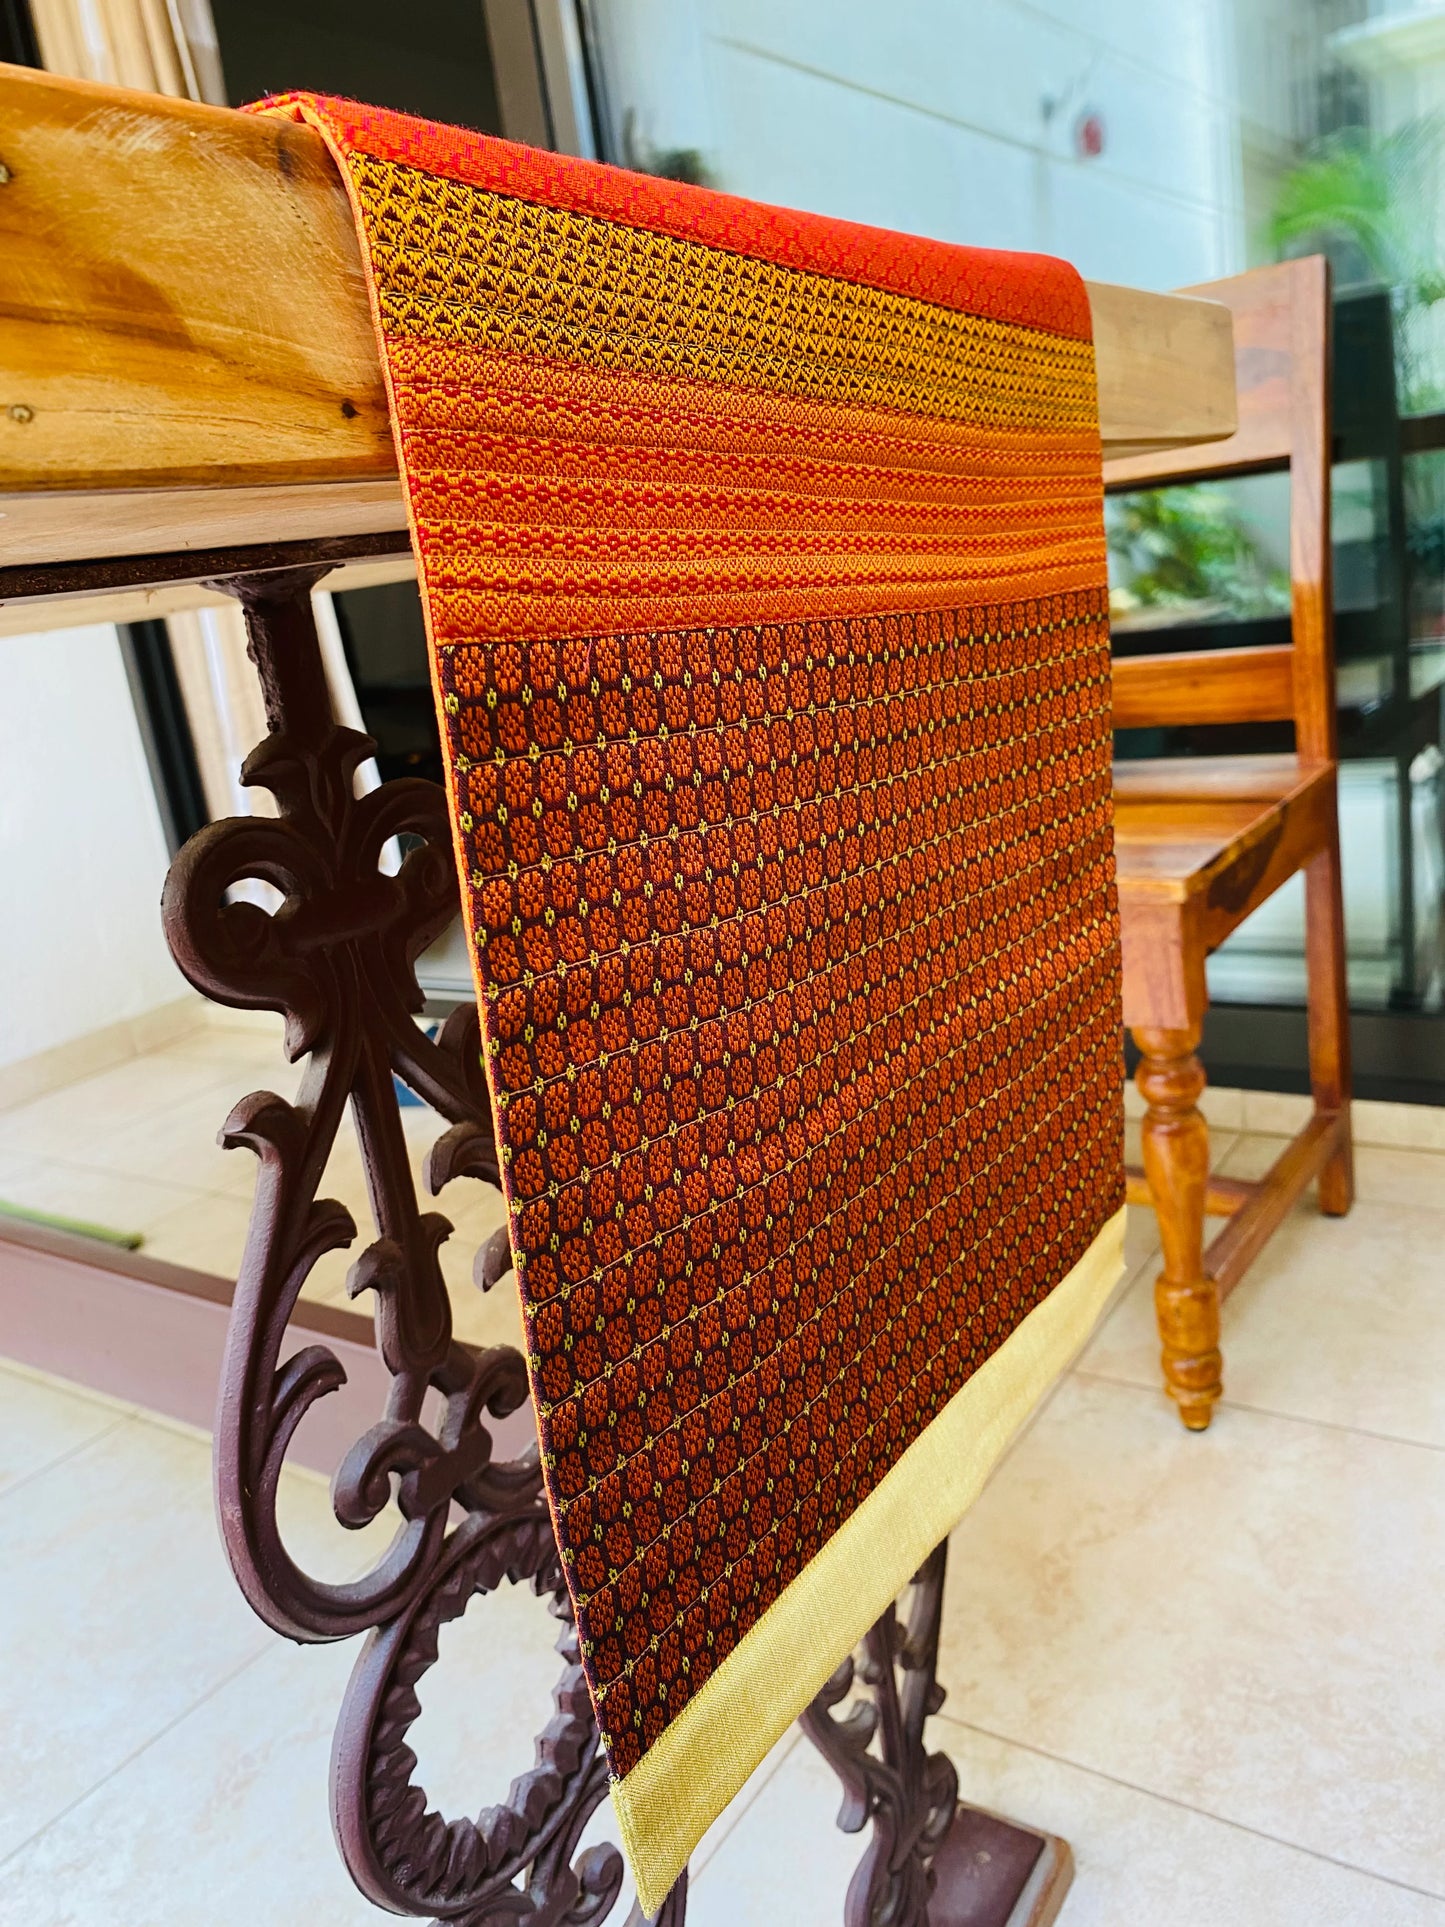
(1282, 364)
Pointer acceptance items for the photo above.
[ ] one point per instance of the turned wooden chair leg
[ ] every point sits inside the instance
(1329, 1016)
(1176, 1162)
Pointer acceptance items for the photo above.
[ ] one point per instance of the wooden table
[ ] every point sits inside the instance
(187, 360)
(190, 393)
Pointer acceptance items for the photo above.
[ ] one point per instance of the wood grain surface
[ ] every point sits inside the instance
(1204, 686)
(1203, 841)
(183, 309)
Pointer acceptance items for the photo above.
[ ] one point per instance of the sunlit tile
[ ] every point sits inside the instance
(1280, 1112)
(208, 1234)
(1143, 1860)
(42, 1420)
(1419, 1127)
(1246, 1621)
(783, 1858)
(110, 1199)
(235, 1795)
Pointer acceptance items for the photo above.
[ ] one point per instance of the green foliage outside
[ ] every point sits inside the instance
(1188, 548)
(1370, 202)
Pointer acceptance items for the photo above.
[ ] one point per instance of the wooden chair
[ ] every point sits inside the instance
(1202, 841)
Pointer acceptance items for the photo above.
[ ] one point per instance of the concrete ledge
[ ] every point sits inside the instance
(152, 1334)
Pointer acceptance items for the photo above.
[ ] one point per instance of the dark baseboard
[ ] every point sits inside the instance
(1399, 1056)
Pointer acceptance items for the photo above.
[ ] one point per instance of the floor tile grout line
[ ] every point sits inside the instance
(219, 1089)
(263, 1650)
(1186, 1806)
(198, 1194)
(54, 1160)
(144, 1116)
(236, 1192)
(1113, 1307)
(130, 1759)
(64, 1458)
(1268, 1411)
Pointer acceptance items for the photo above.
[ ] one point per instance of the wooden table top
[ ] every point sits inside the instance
(187, 358)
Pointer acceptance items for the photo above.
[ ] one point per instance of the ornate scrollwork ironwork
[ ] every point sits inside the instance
(909, 1794)
(337, 958)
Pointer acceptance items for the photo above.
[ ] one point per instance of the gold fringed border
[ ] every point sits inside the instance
(686, 1778)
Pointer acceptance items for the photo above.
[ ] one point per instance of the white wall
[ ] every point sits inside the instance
(82, 854)
(932, 116)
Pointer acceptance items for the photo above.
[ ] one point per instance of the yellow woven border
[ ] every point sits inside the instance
(670, 1798)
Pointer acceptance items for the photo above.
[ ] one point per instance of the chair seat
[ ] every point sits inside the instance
(1224, 829)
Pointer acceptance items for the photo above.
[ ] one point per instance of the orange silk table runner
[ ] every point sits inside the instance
(763, 565)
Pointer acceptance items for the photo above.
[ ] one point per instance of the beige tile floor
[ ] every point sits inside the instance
(135, 1149)
(1215, 1664)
